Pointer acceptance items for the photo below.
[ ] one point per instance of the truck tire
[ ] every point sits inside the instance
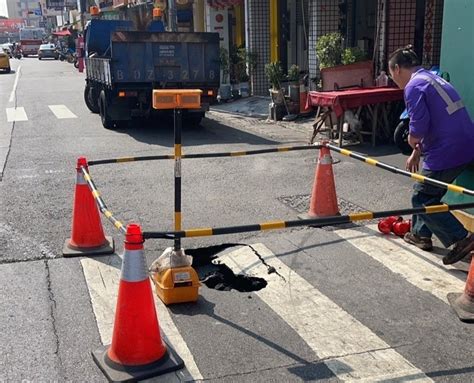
(107, 122)
(91, 99)
(400, 136)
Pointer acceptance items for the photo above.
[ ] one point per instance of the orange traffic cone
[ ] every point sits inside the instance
(323, 198)
(463, 304)
(87, 235)
(137, 351)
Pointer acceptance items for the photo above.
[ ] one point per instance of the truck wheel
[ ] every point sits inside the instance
(107, 122)
(400, 136)
(91, 99)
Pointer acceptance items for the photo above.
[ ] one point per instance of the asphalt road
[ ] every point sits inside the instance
(348, 305)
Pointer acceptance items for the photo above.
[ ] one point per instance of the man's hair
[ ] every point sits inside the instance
(404, 58)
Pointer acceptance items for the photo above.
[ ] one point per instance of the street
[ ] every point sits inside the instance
(345, 303)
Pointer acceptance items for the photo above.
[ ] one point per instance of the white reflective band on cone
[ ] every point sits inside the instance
(134, 266)
(326, 159)
(80, 179)
(452, 106)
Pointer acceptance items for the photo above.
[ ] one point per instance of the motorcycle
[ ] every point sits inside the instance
(400, 135)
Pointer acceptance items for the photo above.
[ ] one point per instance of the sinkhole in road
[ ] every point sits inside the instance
(216, 275)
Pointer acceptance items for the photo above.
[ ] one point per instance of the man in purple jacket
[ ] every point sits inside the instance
(442, 131)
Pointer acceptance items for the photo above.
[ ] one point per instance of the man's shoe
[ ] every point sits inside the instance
(424, 243)
(460, 250)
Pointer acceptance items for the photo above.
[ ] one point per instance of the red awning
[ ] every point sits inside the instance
(62, 33)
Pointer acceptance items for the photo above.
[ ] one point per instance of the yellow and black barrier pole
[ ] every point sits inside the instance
(240, 153)
(394, 169)
(178, 121)
(177, 99)
(100, 202)
(315, 222)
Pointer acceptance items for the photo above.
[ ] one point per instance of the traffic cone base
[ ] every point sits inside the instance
(72, 251)
(122, 373)
(463, 305)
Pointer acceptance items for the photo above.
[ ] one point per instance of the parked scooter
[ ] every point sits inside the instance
(400, 136)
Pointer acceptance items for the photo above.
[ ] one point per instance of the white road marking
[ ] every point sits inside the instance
(352, 351)
(400, 260)
(16, 114)
(15, 84)
(102, 278)
(61, 111)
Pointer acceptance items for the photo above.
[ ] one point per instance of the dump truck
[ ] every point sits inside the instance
(124, 65)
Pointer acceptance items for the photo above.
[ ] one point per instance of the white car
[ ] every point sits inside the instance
(48, 50)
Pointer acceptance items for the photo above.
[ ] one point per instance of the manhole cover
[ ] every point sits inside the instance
(300, 203)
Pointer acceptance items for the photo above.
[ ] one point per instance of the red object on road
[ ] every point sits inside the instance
(400, 228)
(137, 351)
(342, 100)
(87, 234)
(385, 224)
(323, 197)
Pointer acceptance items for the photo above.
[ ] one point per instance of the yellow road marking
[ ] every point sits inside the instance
(235, 154)
(108, 214)
(283, 149)
(95, 194)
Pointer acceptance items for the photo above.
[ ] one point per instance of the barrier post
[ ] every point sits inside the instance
(178, 122)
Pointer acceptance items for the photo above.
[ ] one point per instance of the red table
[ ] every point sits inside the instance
(341, 100)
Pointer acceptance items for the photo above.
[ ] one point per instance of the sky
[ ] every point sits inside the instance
(3, 7)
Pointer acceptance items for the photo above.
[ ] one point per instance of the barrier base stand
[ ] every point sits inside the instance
(119, 373)
(463, 306)
(107, 248)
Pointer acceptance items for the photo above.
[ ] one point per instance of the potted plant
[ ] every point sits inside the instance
(342, 68)
(294, 83)
(274, 73)
(225, 88)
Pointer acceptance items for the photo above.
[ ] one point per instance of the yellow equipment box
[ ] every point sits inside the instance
(177, 285)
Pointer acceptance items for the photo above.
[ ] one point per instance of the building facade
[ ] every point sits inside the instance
(287, 30)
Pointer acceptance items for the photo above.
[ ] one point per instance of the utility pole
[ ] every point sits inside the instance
(172, 16)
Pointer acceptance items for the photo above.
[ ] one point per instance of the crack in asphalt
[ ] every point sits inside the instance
(270, 269)
(52, 310)
(13, 128)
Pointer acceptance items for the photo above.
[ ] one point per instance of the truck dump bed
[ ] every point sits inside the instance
(170, 59)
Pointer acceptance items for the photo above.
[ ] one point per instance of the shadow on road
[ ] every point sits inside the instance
(160, 131)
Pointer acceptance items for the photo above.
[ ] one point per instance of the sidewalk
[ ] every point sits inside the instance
(254, 110)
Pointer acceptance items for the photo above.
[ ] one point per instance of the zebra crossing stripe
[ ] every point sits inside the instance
(16, 114)
(102, 278)
(400, 260)
(350, 349)
(61, 111)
